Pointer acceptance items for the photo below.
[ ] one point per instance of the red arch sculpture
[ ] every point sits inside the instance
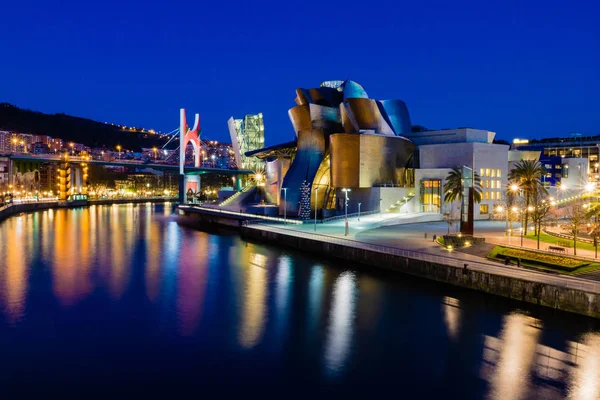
(187, 135)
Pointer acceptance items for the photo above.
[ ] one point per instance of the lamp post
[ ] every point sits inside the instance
(119, 150)
(284, 206)
(316, 206)
(380, 200)
(359, 211)
(346, 211)
(522, 226)
(154, 149)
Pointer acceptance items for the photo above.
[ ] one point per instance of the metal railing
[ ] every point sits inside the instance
(494, 268)
(343, 216)
(255, 218)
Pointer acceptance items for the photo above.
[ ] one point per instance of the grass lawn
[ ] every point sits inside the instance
(545, 261)
(548, 239)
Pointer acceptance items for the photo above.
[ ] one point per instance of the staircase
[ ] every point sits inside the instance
(397, 205)
(231, 199)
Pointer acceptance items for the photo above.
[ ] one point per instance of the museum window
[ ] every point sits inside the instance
(487, 172)
(499, 173)
(431, 195)
(493, 173)
(487, 195)
(481, 171)
(483, 209)
(487, 184)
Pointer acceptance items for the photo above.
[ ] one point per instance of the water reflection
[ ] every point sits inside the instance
(341, 320)
(71, 266)
(14, 273)
(254, 306)
(510, 357)
(452, 315)
(585, 377)
(283, 293)
(134, 277)
(192, 283)
(315, 299)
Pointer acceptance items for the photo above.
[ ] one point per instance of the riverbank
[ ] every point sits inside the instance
(410, 253)
(17, 208)
(563, 293)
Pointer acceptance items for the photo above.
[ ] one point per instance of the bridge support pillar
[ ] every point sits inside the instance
(187, 182)
(181, 189)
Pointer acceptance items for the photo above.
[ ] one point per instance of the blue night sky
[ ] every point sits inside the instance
(523, 68)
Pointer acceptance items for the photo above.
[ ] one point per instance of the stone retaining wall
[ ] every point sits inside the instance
(571, 300)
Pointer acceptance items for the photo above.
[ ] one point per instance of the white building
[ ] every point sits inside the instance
(439, 151)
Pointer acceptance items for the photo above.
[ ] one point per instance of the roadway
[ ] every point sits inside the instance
(125, 163)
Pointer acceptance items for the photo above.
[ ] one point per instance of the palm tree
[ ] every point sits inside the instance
(453, 188)
(528, 174)
(455, 184)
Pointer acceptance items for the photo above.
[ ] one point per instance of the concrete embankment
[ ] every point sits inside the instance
(14, 209)
(566, 298)
(17, 208)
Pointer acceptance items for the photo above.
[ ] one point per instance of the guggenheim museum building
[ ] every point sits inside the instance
(350, 145)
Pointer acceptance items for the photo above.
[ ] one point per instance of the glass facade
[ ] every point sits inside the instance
(431, 195)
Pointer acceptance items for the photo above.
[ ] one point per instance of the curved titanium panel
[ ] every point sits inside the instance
(300, 117)
(311, 149)
(353, 90)
(396, 115)
(367, 116)
(367, 160)
(301, 97)
(348, 122)
(345, 160)
(326, 118)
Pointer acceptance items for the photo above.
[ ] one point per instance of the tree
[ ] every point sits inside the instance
(454, 186)
(593, 212)
(576, 217)
(510, 202)
(540, 214)
(528, 174)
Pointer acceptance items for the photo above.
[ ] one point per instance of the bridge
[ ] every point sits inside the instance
(188, 170)
(75, 168)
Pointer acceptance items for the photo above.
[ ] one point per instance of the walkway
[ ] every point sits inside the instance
(409, 241)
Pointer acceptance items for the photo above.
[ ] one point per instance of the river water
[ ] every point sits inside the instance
(124, 298)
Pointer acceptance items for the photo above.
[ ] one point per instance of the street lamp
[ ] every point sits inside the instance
(316, 205)
(346, 210)
(284, 206)
(119, 150)
(359, 211)
(154, 149)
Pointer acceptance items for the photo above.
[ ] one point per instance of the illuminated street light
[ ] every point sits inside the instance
(346, 210)
(316, 206)
(119, 150)
(590, 186)
(284, 205)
